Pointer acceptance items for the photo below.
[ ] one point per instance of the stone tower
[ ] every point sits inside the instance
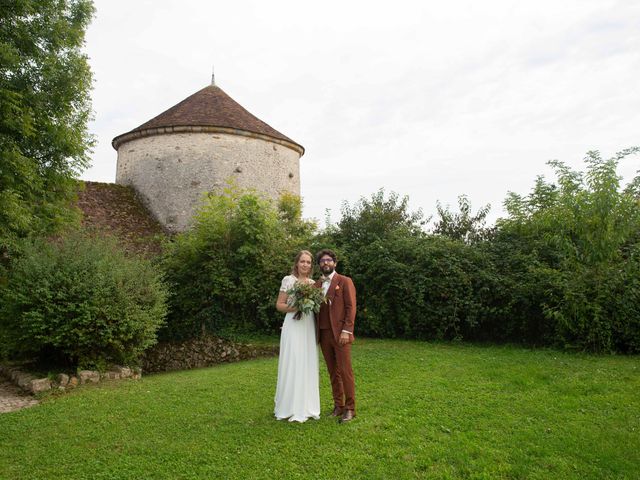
(198, 146)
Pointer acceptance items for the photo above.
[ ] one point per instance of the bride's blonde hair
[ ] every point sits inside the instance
(294, 270)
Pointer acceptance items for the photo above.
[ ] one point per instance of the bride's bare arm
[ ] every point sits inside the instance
(282, 305)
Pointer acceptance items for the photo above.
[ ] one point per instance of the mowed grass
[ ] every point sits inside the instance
(425, 410)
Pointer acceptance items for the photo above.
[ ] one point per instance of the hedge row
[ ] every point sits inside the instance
(562, 269)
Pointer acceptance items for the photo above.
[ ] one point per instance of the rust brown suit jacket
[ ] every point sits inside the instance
(341, 302)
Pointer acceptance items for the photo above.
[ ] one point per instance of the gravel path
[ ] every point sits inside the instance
(13, 398)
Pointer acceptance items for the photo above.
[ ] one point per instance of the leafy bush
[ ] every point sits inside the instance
(367, 221)
(562, 269)
(409, 284)
(513, 289)
(82, 302)
(415, 286)
(225, 272)
(581, 239)
(462, 226)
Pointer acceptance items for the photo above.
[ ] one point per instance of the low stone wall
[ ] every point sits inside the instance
(201, 352)
(163, 357)
(31, 384)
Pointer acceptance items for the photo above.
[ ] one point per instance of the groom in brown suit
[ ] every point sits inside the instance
(335, 334)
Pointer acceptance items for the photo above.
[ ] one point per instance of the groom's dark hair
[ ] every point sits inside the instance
(323, 252)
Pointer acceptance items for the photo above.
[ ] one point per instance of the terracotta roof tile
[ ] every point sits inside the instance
(210, 107)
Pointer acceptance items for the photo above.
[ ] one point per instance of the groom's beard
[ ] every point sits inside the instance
(327, 270)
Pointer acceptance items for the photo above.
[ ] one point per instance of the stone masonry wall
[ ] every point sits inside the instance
(170, 172)
(162, 357)
(33, 385)
(200, 352)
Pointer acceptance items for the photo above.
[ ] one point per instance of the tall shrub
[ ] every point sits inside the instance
(513, 289)
(370, 220)
(409, 284)
(81, 302)
(416, 287)
(464, 225)
(583, 234)
(226, 270)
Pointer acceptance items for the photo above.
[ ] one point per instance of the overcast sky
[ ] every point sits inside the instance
(427, 99)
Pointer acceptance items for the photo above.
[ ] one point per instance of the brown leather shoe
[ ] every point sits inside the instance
(347, 416)
(337, 412)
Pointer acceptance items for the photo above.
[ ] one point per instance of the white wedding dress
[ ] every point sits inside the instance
(297, 391)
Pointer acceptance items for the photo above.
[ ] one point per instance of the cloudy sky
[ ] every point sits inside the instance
(427, 99)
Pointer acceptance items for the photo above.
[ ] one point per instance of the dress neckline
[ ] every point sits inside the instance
(309, 279)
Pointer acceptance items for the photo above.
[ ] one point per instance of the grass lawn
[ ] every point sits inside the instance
(425, 410)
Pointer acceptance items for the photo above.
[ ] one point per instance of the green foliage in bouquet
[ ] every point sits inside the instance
(306, 298)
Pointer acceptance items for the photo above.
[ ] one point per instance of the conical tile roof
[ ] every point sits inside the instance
(208, 108)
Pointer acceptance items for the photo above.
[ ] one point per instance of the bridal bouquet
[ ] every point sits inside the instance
(306, 298)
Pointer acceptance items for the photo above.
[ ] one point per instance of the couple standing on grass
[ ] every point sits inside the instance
(297, 391)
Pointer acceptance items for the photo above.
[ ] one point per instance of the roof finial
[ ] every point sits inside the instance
(213, 76)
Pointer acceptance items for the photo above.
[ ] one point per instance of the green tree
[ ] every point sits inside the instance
(362, 233)
(44, 109)
(462, 226)
(369, 220)
(226, 270)
(374, 218)
(581, 236)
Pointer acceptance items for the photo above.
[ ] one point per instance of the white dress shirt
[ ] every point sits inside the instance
(326, 282)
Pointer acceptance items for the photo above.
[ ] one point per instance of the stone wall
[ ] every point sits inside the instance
(60, 382)
(200, 352)
(170, 172)
(163, 357)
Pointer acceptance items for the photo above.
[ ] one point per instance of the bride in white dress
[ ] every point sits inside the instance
(297, 391)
